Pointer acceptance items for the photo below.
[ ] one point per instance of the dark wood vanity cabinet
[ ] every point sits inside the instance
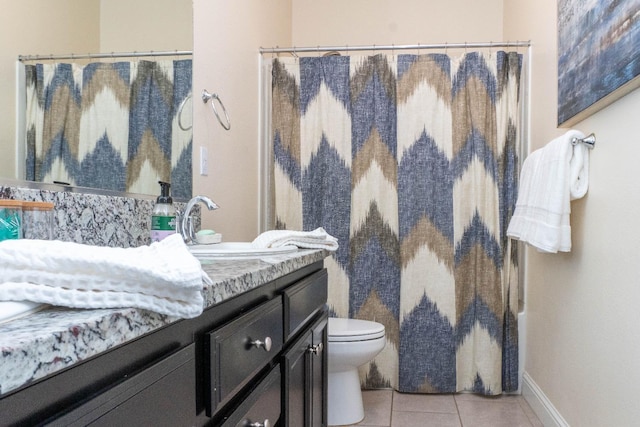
(157, 396)
(299, 363)
(256, 359)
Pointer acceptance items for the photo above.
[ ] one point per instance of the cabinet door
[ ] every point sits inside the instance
(305, 377)
(161, 395)
(319, 376)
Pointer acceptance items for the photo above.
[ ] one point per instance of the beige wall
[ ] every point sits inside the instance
(582, 341)
(227, 37)
(26, 27)
(366, 22)
(146, 25)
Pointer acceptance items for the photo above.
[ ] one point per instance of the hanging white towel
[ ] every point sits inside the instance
(163, 277)
(316, 239)
(551, 177)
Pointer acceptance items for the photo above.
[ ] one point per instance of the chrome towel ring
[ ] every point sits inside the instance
(180, 111)
(206, 96)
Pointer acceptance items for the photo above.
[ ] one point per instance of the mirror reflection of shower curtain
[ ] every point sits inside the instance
(411, 161)
(109, 125)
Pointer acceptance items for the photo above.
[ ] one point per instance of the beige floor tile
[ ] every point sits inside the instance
(424, 419)
(443, 403)
(533, 418)
(377, 407)
(388, 408)
(501, 412)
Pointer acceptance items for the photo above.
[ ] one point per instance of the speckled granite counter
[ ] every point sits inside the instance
(56, 338)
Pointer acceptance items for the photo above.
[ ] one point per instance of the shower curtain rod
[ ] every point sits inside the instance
(395, 47)
(73, 56)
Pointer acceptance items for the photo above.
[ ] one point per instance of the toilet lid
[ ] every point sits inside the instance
(354, 330)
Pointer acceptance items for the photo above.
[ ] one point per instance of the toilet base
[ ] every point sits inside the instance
(345, 398)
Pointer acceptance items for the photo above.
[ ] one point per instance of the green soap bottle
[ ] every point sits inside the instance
(163, 218)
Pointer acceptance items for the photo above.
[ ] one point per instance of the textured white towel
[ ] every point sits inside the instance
(316, 239)
(551, 177)
(163, 277)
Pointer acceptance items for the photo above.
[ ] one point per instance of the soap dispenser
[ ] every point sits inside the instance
(163, 218)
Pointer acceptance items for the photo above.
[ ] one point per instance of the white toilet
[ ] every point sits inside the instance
(351, 343)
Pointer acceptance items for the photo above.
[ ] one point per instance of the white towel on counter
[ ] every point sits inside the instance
(316, 239)
(162, 277)
(551, 177)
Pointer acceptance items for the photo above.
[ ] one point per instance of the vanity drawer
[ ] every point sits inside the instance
(263, 406)
(303, 300)
(239, 349)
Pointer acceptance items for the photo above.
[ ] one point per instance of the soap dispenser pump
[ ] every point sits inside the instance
(163, 218)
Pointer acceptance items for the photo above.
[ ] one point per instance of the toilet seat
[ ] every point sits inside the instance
(346, 330)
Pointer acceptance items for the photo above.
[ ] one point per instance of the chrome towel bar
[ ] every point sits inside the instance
(589, 141)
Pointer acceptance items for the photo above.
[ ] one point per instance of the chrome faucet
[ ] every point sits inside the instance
(186, 222)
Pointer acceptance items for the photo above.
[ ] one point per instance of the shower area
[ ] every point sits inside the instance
(410, 156)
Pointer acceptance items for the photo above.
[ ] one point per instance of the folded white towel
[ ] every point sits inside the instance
(551, 177)
(163, 277)
(316, 239)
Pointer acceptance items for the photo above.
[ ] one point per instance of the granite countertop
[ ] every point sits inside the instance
(55, 338)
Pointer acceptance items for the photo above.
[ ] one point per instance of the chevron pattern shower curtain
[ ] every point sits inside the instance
(411, 161)
(109, 125)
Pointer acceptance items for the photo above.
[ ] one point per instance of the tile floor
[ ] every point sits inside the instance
(389, 408)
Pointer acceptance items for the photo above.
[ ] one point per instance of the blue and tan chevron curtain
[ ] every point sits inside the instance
(411, 161)
(109, 125)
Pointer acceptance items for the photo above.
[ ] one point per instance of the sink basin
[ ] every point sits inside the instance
(12, 310)
(237, 250)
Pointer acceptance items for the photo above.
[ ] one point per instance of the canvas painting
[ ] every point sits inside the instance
(598, 55)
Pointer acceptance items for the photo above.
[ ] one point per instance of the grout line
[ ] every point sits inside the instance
(457, 409)
(393, 396)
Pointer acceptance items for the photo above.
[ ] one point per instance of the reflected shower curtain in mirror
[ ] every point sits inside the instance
(411, 161)
(109, 125)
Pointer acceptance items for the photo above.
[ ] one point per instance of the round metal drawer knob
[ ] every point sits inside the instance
(265, 423)
(266, 344)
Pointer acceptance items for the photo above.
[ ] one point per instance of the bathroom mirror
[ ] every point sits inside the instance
(60, 27)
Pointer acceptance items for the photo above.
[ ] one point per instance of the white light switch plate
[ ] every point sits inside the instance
(204, 161)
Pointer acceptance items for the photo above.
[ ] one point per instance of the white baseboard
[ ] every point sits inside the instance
(541, 405)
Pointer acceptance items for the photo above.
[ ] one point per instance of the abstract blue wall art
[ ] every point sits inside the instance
(598, 55)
